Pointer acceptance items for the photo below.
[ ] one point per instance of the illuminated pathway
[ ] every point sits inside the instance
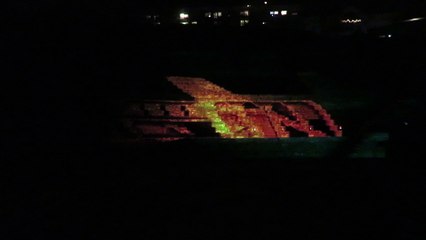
(217, 112)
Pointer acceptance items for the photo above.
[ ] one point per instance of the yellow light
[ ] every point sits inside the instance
(183, 16)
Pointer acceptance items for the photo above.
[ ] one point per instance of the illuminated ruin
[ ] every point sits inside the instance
(217, 112)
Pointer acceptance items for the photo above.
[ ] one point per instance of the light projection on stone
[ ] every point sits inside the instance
(218, 113)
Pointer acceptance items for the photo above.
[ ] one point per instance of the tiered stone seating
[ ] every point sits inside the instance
(307, 111)
(151, 130)
(234, 116)
(202, 89)
(192, 110)
(300, 123)
(229, 115)
(327, 118)
(277, 123)
(261, 121)
(175, 110)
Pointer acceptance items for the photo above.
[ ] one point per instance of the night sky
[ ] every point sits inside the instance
(102, 7)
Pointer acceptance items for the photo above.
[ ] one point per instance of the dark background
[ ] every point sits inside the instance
(68, 67)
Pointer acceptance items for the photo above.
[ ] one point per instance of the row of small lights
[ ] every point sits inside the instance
(351, 21)
(359, 20)
(183, 16)
(274, 13)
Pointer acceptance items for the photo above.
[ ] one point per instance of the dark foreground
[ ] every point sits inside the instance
(99, 191)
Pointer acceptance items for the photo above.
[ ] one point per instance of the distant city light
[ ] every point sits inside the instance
(184, 23)
(273, 13)
(245, 13)
(208, 14)
(263, 23)
(390, 35)
(276, 13)
(194, 22)
(183, 15)
(414, 19)
(244, 22)
(248, 5)
(265, 2)
(217, 14)
(351, 21)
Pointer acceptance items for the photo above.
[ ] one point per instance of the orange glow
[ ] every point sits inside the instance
(230, 115)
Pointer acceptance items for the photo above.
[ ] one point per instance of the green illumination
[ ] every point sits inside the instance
(208, 109)
(226, 129)
(230, 118)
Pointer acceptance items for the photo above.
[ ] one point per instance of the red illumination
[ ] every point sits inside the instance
(217, 112)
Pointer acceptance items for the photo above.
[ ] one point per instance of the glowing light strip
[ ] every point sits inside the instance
(414, 19)
(351, 21)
